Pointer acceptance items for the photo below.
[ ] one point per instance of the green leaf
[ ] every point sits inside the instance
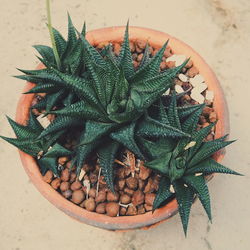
(208, 149)
(46, 52)
(125, 56)
(199, 137)
(61, 123)
(190, 124)
(61, 44)
(161, 164)
(156, 149)
(95, 130)
(184, 196)
(106, 155)
(153, 128)
(173, 113)
(150, 69)
(126, 136)
(199, 186)
(163, 192)
(82, 153)
(210, 166)
(23, 132)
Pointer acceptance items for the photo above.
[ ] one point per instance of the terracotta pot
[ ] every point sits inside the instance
(156, 39)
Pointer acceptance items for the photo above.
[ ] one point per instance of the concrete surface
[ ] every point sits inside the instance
(219, 31)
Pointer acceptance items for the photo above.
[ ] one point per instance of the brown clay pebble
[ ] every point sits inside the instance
(101, 196)
(92, 192)
(149, 199)
(138, 198)
(48, 176)
(142, 184)
(65, 175)
(193, 71)
(83, 204)
(125, 199)
(78, 196)
(131, 210)
(138, 49)
(101, 208)
(210, 137)
(120, 173)
(117, 48)
(56, 183)
(207, 110)
(112, 209)
(213, 117)
(62, 160)
(132, 183)
(123, 210)
(128, 191)
(150, 186)
(93, 178)
(68, 164)
(90, 204)
(102, 180)
(144, 173)
(187, 98)
(163, 65)
(72, 177)
(141, 209)
(148, 207)
(139, 57)
(76, 185)
(202, 119)
(136, 64)
(132, 47)
(170, 64)
(167, 52)
(112, 196)
(121, 184)
(64, 186)
(205, 124)
(86, 168)
(134, 57)
(67, 194)
(141, 44)
(154, 52)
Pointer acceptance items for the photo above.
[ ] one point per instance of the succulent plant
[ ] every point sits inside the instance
(70, 61)
(184, 163)
(46, 150)
(111, 98)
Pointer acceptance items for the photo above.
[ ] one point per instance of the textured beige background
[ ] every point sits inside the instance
(219, 31)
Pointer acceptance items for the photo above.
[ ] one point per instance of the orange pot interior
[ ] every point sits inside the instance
(156, 39)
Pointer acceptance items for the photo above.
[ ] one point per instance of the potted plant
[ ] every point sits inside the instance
(121, 131)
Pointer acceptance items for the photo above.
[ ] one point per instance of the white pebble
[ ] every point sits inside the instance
(198, 174)
(43, 120)
(171, 58)
(183, 77)
(166, 93)
(179, 89)
(81, 175)
(171, 189)
(180, 60)
(190, 145)
(209, 95)
(198, 97)
(200, 87)
(196, 80)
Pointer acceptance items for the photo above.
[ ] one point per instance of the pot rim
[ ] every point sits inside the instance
(156, 39)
